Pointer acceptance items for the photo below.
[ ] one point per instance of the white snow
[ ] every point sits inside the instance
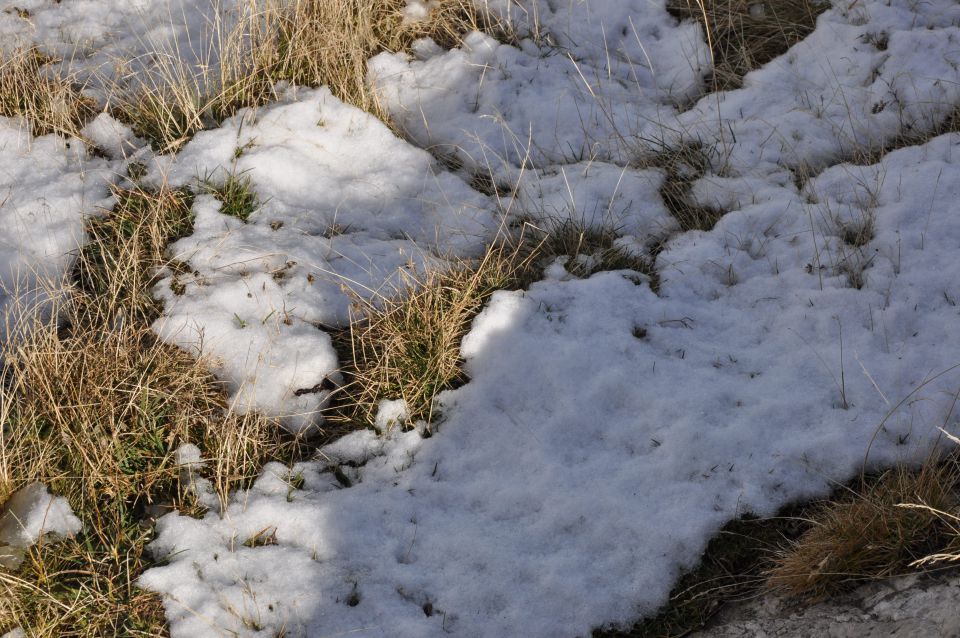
(606, 432)
(48, 186)
(27, 516)
(108, 41)
(188, 459)
(837, 90)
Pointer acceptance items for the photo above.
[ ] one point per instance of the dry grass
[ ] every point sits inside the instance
(95, 407)
(407, 346)
(92, 405)
(683, 165)
(879, 527)
(588, 249)
(117, 267)
(869, 534)
(908, 136)
(47, 102)
(300, 42)
(745, 34)
(98, 418)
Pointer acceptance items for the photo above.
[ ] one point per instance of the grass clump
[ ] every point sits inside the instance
(682, 165)
(295, 42)
(95, 407)
(236, 195)
(97, 414)
(857, 233)
(407, 346)
(126, 246)
(49, 103)
(588, 249)
(746, 34)
(881, 528)
(911, 134)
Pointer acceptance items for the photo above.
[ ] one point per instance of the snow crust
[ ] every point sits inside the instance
(27, 516)
(607, 432)
(869, 73)
(108, 43)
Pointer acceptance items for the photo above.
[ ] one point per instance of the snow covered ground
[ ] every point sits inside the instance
(608, 430)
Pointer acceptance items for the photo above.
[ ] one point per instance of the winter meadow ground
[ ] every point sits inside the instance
(471, 317)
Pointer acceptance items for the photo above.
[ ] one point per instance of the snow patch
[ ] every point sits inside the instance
(31, 513)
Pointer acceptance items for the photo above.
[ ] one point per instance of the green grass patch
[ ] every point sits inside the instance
(236, 195)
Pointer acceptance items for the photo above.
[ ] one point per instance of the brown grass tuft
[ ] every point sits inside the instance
(300, 42)
(95, 407)
(407, 346)
(589, 249)
(729, 570)
(48, 102)
(97, 414)
(117, 267)
(682, 166)
(746, 34)
(909, 136)
(869, 534)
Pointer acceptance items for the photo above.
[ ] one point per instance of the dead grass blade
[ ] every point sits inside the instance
(31, 88)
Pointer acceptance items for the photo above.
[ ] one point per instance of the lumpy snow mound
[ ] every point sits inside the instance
(607, 432)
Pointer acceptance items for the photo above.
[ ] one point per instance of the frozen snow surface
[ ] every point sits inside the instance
(606, 432)
(609, 428)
